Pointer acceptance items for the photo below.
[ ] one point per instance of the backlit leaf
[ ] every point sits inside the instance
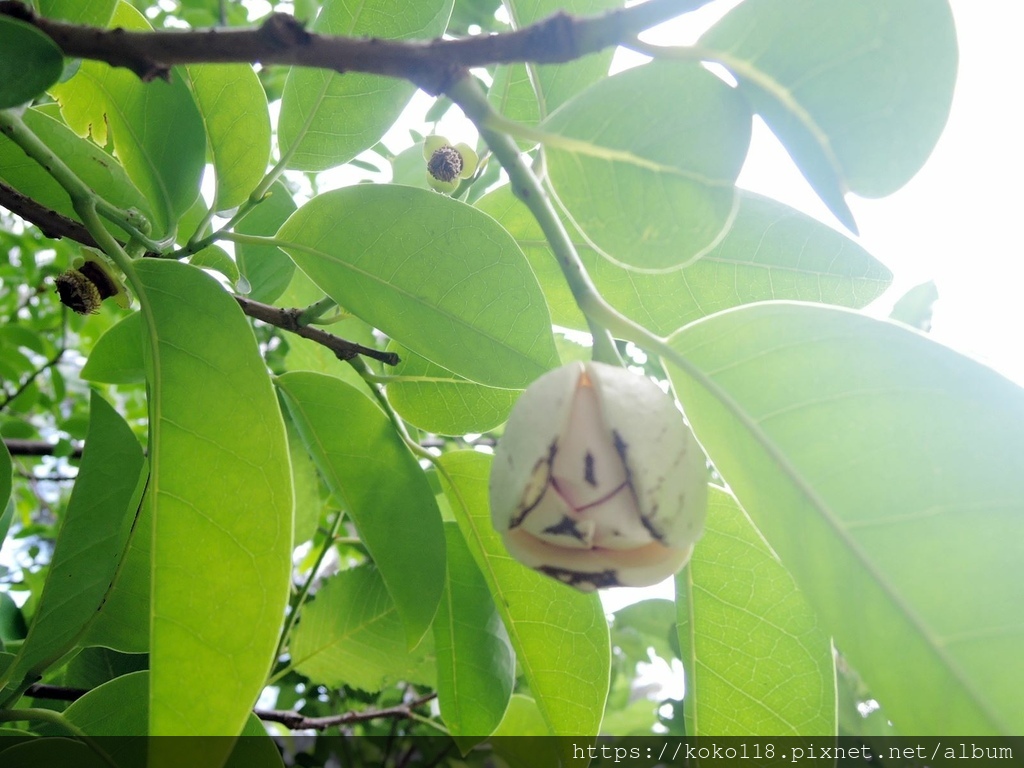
(434, 274)
(222, 505)
(560, 636)
(365, 462)
(907, 519)
(857, 92)
(757, 663)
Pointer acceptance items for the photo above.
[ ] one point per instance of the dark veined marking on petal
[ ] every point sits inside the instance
(566, 527)
(588, 469)
(621, 448)
(549, 461)
(598, 580)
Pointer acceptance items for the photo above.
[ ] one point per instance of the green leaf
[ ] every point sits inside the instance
(438, 401)
(216, 258)
(914, 308)
(308, 506)
(120, 709)
(91, 543)
(92, 165)
(560, 635)
(771, 251)
(365, 462)
(650, 180)
(524, 718)
(328, 118)
(352, 634)
(91, 667)
(157, 130)
(434, 274)
(267, 268)
(756, 661)
(95, 13)
(883, 469)
(476, 666)
(31, 63)
(123, 621)
(6, 477)
(222, 504)
(233, 106)
(857, 93)
(647, 624)
(117, 357)
(530, 95)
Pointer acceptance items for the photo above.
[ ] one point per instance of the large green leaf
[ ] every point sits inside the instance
(476, 666)
(220, 485)
(233, 106)
(31, 63)
(560, 636)
(364, 460)
(436, 275)
(650, 162)
(884, 470)
(771, 251)
(157, 130)
(857, 92)
(328, 118)
(99, 518)
(352, 634)
(91, 164)
(528, 93)
(438, 401)
(757, 663)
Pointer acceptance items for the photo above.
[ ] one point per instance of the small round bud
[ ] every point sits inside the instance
(445, 164)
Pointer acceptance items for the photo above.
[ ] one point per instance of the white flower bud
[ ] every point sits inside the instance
(597, 480)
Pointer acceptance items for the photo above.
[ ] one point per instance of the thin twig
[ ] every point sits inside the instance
(18, 447)
(288, 320)
(291, 719)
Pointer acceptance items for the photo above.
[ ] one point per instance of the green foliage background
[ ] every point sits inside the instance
(252, 515)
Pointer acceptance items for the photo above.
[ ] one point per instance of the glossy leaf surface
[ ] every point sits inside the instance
(650, 181)
(31, 63)
(99, 518)
(925, 475)
(222, 505)
(560, 636)
(233, 107)
(476, 666)
(435, 275)
(436, 400)
(857, 93)
(311, 132)
(771, 251)
(757, 663)
(157, 131)
(385, 492)
(352, 634)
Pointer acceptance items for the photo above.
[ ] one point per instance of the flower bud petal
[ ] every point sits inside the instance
(597, 480)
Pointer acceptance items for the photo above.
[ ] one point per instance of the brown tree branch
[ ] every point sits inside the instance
(281, 39)
(288, 320)
(18, 447)
(290, 719)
